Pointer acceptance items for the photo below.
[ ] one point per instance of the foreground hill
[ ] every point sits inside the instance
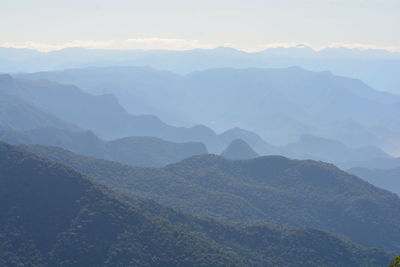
(54, 216)
(386, 179)
(298, 193)
(135, 151)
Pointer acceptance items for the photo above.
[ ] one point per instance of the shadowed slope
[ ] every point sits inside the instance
(294, 192)
(57, 217)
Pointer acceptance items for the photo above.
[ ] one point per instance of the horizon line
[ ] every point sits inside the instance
(172, 44)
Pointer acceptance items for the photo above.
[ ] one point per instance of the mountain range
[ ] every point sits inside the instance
(18, 114)
(67, 108)
(278, 104)
(388, 179)
(376, 67)
(86, 224)
(239, 149)
(101, 114)
(135, 150)
(110, 165)
(292, 192)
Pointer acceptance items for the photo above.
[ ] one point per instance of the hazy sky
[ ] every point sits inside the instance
(184, 24)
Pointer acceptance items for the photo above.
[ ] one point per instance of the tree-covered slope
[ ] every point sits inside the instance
(294, 192)
(55, 216)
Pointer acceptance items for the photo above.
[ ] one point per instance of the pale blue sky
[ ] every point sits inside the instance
(179, 24)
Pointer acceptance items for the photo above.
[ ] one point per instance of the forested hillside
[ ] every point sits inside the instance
(56, 216)
(294, 192)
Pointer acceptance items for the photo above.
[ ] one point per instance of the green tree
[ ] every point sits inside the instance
(396, 262)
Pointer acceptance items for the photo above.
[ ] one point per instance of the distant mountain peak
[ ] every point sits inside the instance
(238, 150)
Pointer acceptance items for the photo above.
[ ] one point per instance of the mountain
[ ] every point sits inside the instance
(86, 224)
(292, 192)
(108, 118)
(386, 179)
(317, 148)
(151, 151)
(115, 80)
(379, 68)
(380, 163)
(103, 115)
(278, 104)
(239, 150)
(254, 140)
(20, 115)
(135, 151)
(282, 104)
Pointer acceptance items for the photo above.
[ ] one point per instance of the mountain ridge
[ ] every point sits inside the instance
(298, 101)
(293, 192)
(138, 150)
(97, 227)
(239, 150)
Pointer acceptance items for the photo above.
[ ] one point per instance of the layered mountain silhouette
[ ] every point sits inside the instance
(136, 151)
(255, 141)
(57, 106)
(104, 116)
(380, 163)
(238, 150)
(278, 104)
(56, 216)
(387, 179)
(109, 165)
(317, 148)
(293, 192)
(376, 67)
(15, 113)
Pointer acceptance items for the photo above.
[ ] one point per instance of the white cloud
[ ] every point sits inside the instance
(177, 44)
(165, 43)
(280, 44)
(333, 45)
(45, 47)
(132, 43)
(363, 46)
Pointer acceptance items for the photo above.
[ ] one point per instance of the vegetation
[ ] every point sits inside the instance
(396, 262)
(297, 193)
(54, 216)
